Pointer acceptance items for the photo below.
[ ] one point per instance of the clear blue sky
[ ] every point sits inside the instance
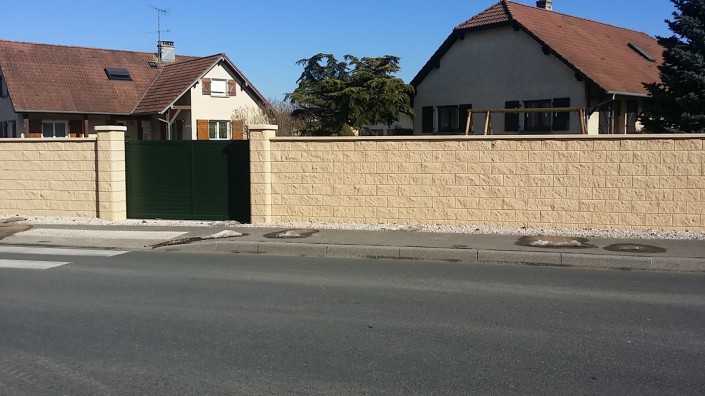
(266, 37)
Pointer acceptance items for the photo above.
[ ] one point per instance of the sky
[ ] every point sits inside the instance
(265, 38)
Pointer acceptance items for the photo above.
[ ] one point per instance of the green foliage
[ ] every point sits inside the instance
(346, 130)
(353, 92)
(678, 103)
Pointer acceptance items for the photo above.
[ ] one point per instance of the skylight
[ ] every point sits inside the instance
(642, 52)
(118, 74)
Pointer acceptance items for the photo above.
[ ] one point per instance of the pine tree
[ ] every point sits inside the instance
(355, 92)
(678, 101)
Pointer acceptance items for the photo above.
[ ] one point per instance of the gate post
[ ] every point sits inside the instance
(110, 173)
(261, 172)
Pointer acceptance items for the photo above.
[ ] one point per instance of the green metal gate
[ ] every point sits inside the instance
(188, 180)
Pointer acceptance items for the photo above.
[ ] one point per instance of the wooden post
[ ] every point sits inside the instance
(487, 122)
(583, 125)
(468, 123)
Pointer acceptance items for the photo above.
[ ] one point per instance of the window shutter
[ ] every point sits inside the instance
(561, 121)
(232, 88)
(427, 119)
(511, 120)
(238, 130)
(202, 129)
(463, 117)
(206, 85)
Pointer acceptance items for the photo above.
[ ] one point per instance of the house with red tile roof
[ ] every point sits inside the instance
(516, 56)
(49, 91)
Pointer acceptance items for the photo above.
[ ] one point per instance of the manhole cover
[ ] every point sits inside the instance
(554, 242)
(291, 234)
(634, 248)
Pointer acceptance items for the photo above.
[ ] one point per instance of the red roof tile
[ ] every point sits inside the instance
(173, 81)
(599, 51)
(65, 79)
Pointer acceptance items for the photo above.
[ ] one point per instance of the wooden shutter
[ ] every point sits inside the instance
(511, 120)
(232, 88)
(202, 129)
(75, 128)
(206, 84)
(561, 121)
(238, 129)
(427, 119)
(35, 128)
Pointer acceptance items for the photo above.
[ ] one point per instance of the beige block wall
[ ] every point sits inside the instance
(606, 182)
(48, 177)
(65, 177)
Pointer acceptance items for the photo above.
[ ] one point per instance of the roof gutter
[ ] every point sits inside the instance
(638, 95)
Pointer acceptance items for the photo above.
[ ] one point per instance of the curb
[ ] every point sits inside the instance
(470, 256)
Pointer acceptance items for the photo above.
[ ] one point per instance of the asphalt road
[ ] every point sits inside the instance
(182, 324)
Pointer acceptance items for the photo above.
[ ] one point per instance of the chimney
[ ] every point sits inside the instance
(166, 51)
(545, 4)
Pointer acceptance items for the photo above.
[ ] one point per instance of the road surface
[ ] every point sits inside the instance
(187, 324)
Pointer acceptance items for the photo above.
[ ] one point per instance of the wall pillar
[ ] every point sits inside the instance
(261, 172)
(110, 173)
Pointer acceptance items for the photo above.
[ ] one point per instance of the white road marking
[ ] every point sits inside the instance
(60, 252)
(28, 264)
(100, 234)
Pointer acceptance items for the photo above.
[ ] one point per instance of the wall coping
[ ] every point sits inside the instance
(47, 140)
(639, 136)
(267, 127)
(105, 128)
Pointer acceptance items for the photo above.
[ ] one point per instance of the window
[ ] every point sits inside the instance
(219, 87)
(118, 74)
(561, 121)
(537, 122)
(3, 87)
(54, 129)
(427, 119)
(641, 51)
(218, 130)
(448, 119)
(511, 120)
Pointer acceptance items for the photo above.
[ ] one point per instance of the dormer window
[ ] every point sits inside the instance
(118, 74)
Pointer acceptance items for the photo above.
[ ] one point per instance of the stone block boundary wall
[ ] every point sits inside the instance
(64, 177)
(605, 182)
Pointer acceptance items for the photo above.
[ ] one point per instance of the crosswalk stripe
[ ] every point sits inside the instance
(60, 252)
(29, 264)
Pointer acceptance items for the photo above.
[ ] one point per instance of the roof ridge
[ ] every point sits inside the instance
(195, 59)
(512, 2)
(501, 2)
(91, 48)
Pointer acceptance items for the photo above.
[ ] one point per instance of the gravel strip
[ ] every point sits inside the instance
(466, 229)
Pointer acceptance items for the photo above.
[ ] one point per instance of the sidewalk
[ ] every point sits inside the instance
(670, 255)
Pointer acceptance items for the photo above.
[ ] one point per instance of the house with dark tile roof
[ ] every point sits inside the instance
(516, 56)
(49, 91)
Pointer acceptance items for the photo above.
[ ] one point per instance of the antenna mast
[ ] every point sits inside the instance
(160, 11)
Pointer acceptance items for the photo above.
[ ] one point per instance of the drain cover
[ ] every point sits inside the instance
(634, 248)
(554, 242)
(291, 234)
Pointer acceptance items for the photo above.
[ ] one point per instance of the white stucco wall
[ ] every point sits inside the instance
(491, 67)
(207, 107)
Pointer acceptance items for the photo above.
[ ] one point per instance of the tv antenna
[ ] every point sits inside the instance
(160, 12)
